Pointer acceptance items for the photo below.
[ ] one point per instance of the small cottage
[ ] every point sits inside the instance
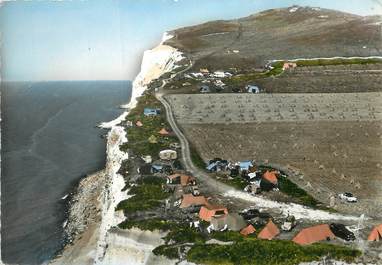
(189, 200)
(252, 89)
(151, 112)
(168, 154)
(164, 132)
(269, 231)
(208, 211)
(376, 233)
(248, 230)
(313, 234)
(289, 65)
(180, 179)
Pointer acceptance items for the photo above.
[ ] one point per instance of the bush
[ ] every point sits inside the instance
(170, 252)
(185, 234)
(227, 236)
(150, 224)
(264, 252)
(148, 194)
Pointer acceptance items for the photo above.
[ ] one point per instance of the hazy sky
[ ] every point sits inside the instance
(104, 40)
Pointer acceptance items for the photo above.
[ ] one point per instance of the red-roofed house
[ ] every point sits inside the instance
(208, 211)
(269, 231)
(270, 176)
(248, 230)
(189, 200)
(376, 233)
(180, 179)
(314, 234)
(163, 131)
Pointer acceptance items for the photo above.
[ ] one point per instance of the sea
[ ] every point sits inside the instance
(49, 142)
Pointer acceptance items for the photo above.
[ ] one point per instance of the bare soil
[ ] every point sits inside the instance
(333, 149)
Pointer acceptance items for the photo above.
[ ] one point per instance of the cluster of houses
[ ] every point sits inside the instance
(221, 219)
(265, 179)
(187, 197)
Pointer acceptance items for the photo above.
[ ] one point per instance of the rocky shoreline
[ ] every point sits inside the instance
(84, 206)
(84, 213)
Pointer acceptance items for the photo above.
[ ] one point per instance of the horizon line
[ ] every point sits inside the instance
(76, 80)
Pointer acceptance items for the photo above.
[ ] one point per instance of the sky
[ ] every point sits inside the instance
(105, 39)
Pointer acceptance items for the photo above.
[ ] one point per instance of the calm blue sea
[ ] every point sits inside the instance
(49, 141)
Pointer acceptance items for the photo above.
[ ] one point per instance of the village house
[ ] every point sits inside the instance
(270, 176)
(219, 83)
(217, 164)
(313, 234)
(269, 231)
(204, 89)
(204, 71)
(139, 124)
(180, 179)
(289, 65)
(161, 166)
(248, 230)
(376, 233)
(189, 200)
(151, 112)
(245, 165)
(252, 89)
(168, 154)
(221, 74)
(208, 211)
(164, 132)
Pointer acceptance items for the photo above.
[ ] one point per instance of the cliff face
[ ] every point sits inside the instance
(286, 33)
(98, 243)
(155, 62)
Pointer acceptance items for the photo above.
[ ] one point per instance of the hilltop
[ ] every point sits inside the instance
(286, 33)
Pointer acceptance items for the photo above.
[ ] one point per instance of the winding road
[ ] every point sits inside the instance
(300, 212)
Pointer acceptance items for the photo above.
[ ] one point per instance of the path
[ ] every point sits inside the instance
(300, 211)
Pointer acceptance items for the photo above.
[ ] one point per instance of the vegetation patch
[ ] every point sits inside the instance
(196, 158)
(139, 142)
(235, 182)
(338, 61)
(147, 194)
(185, 234)
(227, 236)
(168, 251)
(149, 224)
(267, 252)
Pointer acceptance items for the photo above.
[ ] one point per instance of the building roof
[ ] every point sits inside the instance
(270, 176)
(245, 165)
(248, 230)
(376, 233)
(139, 123)
(209, 210)
(163, 131)
(184, 179)
(191, 200)
(269, 231)
(313, 234)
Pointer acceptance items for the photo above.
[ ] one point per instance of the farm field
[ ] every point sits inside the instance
(334, 155)
(244, 108)
(325, 79)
